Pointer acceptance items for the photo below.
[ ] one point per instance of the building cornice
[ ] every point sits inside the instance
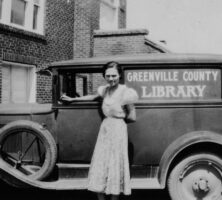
(120, 32)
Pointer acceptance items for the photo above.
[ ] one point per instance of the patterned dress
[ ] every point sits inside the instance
(109, 170)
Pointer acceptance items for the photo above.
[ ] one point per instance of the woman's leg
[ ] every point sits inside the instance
(101, 196)
(114, 197)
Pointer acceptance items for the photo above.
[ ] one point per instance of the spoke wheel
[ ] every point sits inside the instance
(28, 148)
(197, 177)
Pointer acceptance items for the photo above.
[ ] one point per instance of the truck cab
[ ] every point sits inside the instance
(175, 143)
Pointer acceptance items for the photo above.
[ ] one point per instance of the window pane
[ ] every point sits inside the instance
(18, 12)
(35, 16)
(1, 8)
(19, 84)
(79, 84)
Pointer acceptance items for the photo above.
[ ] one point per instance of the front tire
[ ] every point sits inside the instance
(29, 148)
(198, 176)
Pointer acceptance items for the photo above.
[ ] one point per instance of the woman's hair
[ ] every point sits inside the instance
(112, 64)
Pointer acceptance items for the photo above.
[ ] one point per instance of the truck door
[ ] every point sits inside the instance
(78, 122)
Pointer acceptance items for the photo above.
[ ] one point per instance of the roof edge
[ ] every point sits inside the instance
(157, 46)
(120, 32)
(152, 58)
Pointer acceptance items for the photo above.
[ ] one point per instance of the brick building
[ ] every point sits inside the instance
(34, 33)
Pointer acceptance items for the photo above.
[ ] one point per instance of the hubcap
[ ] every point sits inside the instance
(24, 151)
(201, 180)
(201, 185)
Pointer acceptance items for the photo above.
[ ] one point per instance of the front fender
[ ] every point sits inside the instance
(179, 145)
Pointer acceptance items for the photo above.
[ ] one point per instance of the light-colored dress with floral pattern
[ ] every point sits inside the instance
(109, 170)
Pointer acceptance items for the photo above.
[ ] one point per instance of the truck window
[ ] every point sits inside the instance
(76, 84)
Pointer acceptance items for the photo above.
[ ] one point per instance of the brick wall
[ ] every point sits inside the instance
(122, 41)
(57, 44)
(59, 26)
(86, 20)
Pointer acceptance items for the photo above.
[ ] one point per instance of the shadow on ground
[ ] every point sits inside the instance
(10, 193)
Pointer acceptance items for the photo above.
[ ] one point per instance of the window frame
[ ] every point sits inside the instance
(57, 89)
(29, 15)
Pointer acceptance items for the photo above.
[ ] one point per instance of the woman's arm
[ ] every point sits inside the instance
(131, 112)
(84, 98)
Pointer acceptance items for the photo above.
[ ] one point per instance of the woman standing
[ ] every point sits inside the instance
(109, 169)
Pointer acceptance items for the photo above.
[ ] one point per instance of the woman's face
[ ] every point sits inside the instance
(112, 76)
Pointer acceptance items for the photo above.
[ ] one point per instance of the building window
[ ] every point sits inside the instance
(35, 16)
(18, 83)
(18, 12)
(109, 14)
(23, 14)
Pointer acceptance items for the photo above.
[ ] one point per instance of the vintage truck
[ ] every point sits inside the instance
(176, 141)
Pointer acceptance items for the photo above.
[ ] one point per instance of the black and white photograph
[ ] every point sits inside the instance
(111, 99)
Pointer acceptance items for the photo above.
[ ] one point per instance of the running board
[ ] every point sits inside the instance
(16, 178)
(145, 183)
(81, 184)
(72, 171)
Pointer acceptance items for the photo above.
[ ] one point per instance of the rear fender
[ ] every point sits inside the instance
(181, 144)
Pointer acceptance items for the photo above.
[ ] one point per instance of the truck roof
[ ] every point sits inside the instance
(154, 58)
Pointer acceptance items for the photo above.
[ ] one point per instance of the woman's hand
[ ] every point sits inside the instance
(67, 99)
(130, 113)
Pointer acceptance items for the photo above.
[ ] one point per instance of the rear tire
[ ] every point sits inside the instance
(198, 176)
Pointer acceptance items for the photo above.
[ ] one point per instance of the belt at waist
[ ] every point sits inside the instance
(115, 117)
